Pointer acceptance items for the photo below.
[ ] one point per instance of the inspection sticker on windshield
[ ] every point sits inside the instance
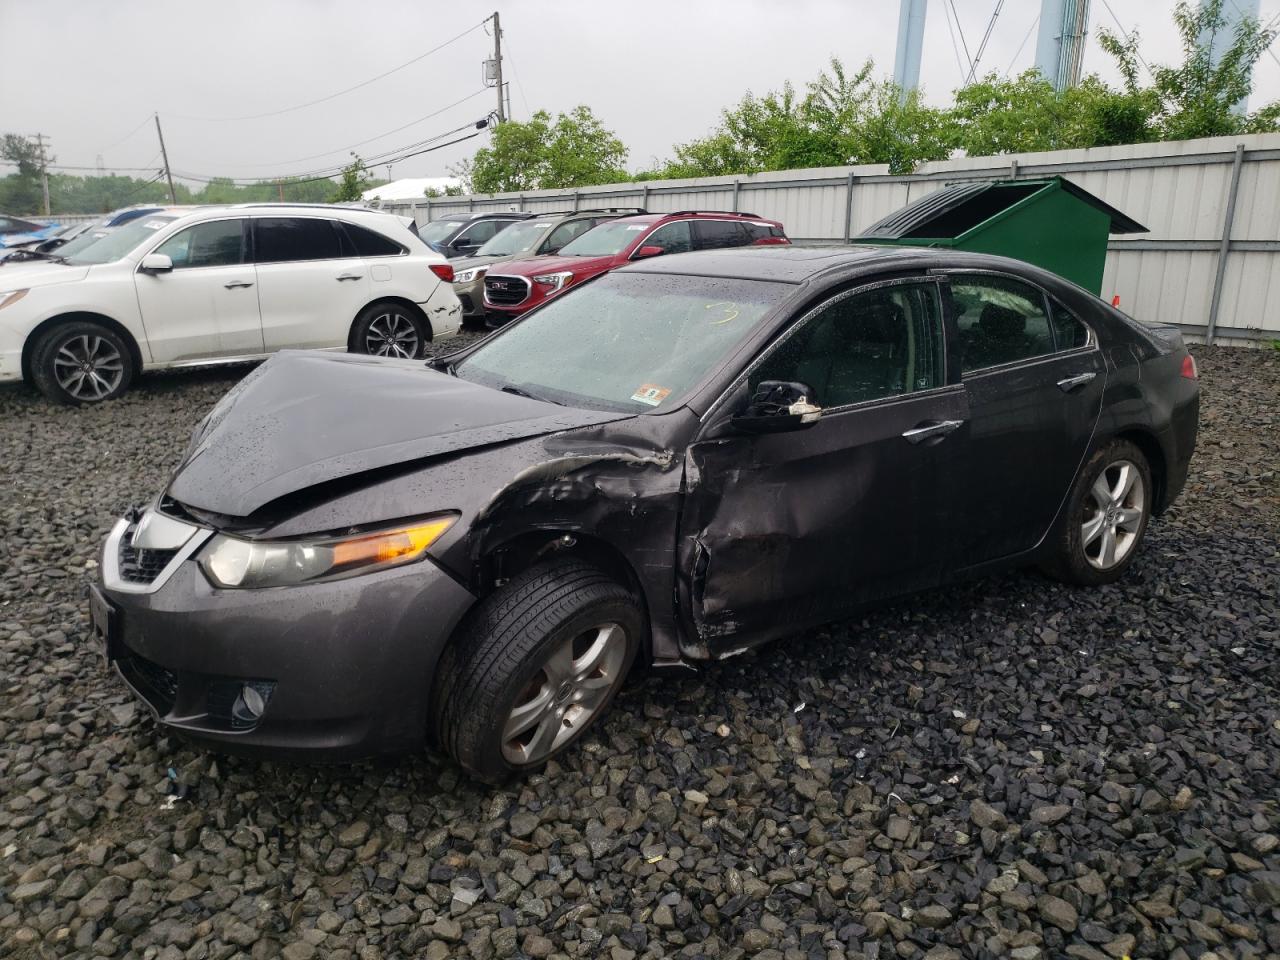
(154, 224)
(651, 394)
(636, 226)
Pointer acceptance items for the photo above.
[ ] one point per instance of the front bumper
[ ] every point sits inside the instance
(344, 667)
(471, 296)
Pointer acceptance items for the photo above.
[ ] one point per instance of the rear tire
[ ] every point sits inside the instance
(1105, 518)
(390, 329)
(81, 362)
(533, 667)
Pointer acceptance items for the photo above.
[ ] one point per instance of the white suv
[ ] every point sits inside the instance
(220, 284)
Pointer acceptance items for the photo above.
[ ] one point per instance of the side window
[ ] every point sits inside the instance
(480, 232)
(864, 346)
(718, 234)
(218, 243)
(566, 232)
(673, 237)
(367, 243)
(282, 239)
(1068, 332)
(1001, 320)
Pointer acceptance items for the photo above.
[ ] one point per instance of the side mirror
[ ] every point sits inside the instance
(778, 406)
(156, 263)
(649, 250)
(464, 243)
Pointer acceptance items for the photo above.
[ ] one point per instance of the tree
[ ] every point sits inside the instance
(574, 150)
(1196, 97)
(21, 191)
(353, 182)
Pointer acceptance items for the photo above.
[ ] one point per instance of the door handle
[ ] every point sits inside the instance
(237, 283)
(350, 276)
(1069, 384)
(939, 429)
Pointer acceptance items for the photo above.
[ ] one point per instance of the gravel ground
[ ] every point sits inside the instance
(1010, 769)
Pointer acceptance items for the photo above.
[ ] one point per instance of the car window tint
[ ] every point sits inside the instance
(218, 243)
(478, 233)
(672, 237)
(718, 234)
(1068, 332)
(566, 232)
(864, 346)
(279, 239)
(367, 243)
(1000, 320)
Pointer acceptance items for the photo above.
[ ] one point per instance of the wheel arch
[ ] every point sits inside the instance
(87, 316)
(398, 301)
(1146, 441)
(504, 560)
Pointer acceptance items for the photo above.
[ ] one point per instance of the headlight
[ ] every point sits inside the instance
(466, 276)
(11, 296)
(231, 562)
(555, 281)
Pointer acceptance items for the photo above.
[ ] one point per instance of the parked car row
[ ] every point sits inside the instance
(179, 287)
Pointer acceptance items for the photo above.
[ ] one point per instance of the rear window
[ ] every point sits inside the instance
(762, 231)
(368, 243)
(283, 239)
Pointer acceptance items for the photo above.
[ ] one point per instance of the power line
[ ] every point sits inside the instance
(1022, 44)
(946, 13)
(126, 136)
(960, 30)
(360, 143)
(333, 96)
(1147, 66)
(519, 85)
(991, 25)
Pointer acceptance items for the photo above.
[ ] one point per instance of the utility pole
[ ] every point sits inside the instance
(906, 63)
(497, 59)
(173, 196)
(44, 170)
(1060, 43)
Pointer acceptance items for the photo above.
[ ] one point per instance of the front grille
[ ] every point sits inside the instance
(506, 291)
(141, 566)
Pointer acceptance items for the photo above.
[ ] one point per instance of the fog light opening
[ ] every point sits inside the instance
(249, 705)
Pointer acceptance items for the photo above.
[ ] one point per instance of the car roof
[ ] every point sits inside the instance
(794, 263)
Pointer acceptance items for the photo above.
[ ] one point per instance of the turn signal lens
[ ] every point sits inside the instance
(230, 562)
(1189, 368)
(444, 271)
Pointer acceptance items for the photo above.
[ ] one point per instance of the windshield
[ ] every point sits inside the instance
(517, 238)
(437, 232)
(93, 234)
(604, 240)
(629, 342)
(115, 244)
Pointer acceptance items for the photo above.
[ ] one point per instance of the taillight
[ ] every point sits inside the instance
(444, 271)
(1189, 369)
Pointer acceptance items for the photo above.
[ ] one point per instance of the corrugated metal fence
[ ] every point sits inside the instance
(1210, 262)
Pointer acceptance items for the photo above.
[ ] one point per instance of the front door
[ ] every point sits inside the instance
(207, 305)
(311, 284)
(1034, 378)
(784, 530)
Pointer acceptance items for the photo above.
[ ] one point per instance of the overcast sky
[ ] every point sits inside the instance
(88, 73)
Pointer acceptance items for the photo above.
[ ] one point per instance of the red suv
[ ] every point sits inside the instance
(521, 285)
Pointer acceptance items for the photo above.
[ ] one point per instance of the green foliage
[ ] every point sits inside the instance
(20, 192)
(574, 150)
(352, 183)
(1195, 97)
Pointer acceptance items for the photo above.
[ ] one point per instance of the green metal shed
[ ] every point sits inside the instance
(1051, 223)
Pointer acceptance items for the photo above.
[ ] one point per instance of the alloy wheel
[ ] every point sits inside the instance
(566, 693)
(88, 367)
(1113, 514)
(392, 335)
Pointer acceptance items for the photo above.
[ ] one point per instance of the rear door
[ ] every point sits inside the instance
(1034, 378)
(787, 529)
(311, 284)
(207, 305)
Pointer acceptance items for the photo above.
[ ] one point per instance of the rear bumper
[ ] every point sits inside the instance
(345, 668)
(444, 311)
(1179, 443)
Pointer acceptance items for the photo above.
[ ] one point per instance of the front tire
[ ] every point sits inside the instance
(535, 665)
(81, 362)
(389, 329)
(1105, 519)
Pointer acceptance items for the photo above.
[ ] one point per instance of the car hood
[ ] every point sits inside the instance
(470, 263)
(305, 418)
(536, 266)
(24, 274)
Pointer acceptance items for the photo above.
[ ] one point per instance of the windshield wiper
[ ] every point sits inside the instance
(20, 255)
(519, 392)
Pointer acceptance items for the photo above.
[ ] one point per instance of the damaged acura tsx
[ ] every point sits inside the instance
(681, 459)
